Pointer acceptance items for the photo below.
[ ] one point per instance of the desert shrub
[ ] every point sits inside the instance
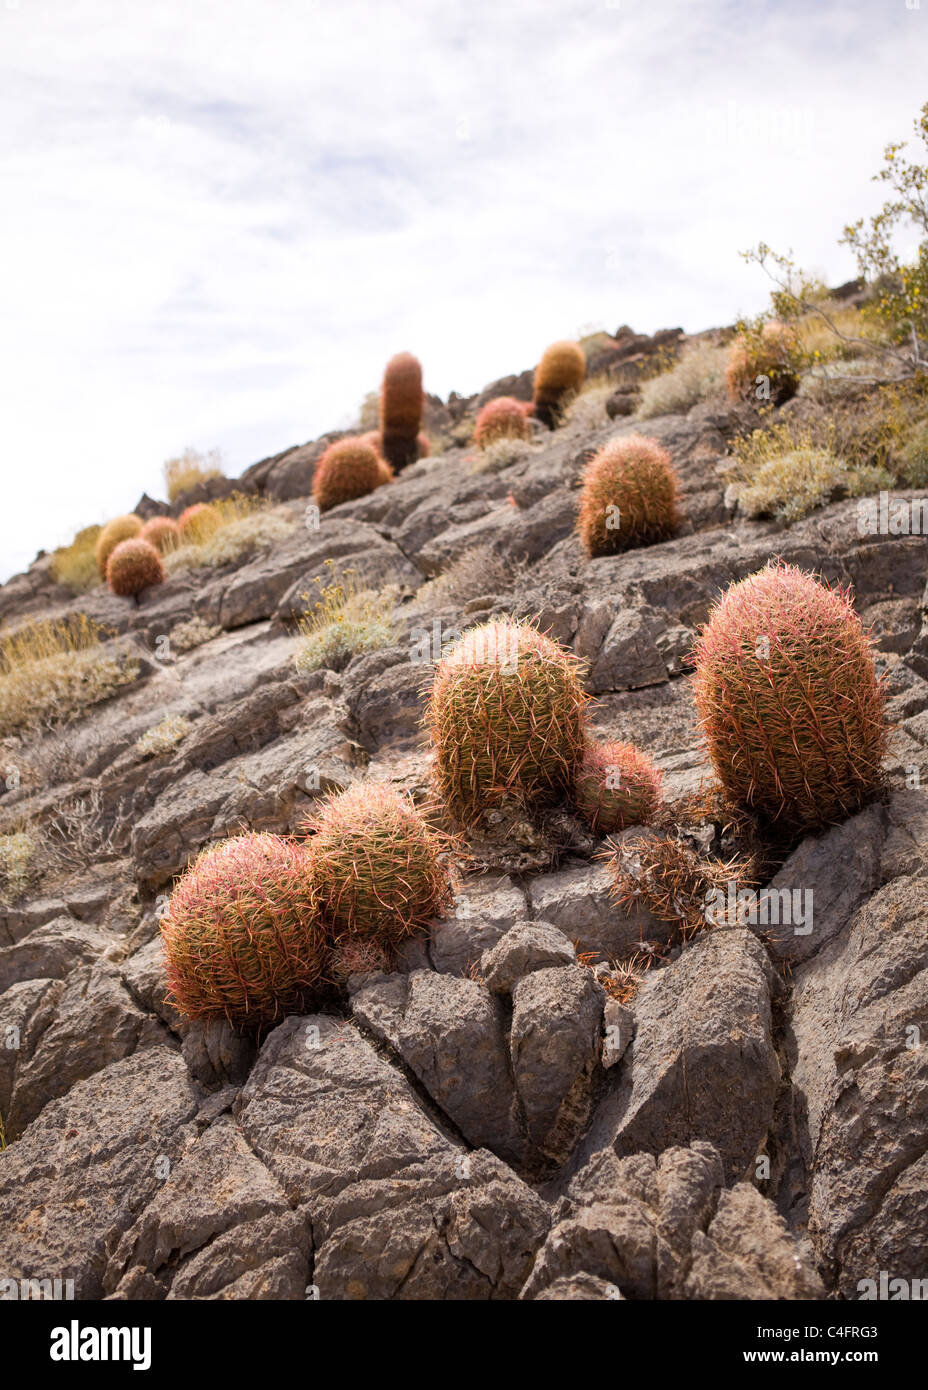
(763, 362)
(630, 496)
(52, 671)
(342, 620)
(193, 632)
(162, 737)
(475, 572)
(673, 882)
(699, 370)
(789, 700)
(190, 469)
(76, 564)
(238, 526)
(502, 453)
(558, 377)
(197, 522)
(17, 864)
(913, 459)
(783, 473)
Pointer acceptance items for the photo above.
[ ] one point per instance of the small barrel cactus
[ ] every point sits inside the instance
(378, 870)
(558, 376)
(133, 566)
(762, 364)
(506, 713)
(502, 418)
(630, 496)
(162, 532)
(198, 522)
(401, 404)
(616, 786)
(121, 528)
(789, 699)
(346, 470)
(242, 937)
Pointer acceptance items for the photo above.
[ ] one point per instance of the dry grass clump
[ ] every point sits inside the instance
(699, 370)
(81, 832)
(161, 738)
(76, 564)
(474, 573)
(242, 526)
(51, 671)
(784, 473)
(500, 454)
(189, 469)
(345, 620)
(588, 408)
(193, 632)
(673, 881)
(17, 864)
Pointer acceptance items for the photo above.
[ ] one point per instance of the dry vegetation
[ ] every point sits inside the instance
(246, 525)
(163, 736)
(190, 468)
(699, 370)
(342, 621)
(76, 564)
(51, 671)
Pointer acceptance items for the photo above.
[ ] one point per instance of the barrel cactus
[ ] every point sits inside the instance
(630, 496)
(347, 470)
(616, 785)
(401, 404)
(789, 700)
(378, 868)
(558, 376)
(769, 353)
(121, 528)
(506, 714)
(242, 938)
(133, 566)
(162, 532)
(502, 418)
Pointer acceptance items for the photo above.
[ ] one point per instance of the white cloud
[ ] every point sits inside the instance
(225, 217)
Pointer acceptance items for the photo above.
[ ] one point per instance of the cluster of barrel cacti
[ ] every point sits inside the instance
(260, 923)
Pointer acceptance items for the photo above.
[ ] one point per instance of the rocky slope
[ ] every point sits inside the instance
(485, 1122)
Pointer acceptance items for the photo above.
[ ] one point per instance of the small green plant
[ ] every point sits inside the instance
(344, 620)
(630, 496)
(699, 370)
(242, 935)
(506, 715)
(616, 785)
(789, 700)
(190, 469)
(52, 671)
(558, 377)
(378, 869)
(161, 738)
(134, 566)
(401, 405)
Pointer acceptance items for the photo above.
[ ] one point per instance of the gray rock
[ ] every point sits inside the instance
(703, 1063)
(578, 902)
(555, 1044)
(629, 657)
(398, 1209)
(526, 947)
(85, 1169)
(483, 911)
(52, 951)
(451, 1033)
(618, 1031)
(748, 1253)
(578, 1287)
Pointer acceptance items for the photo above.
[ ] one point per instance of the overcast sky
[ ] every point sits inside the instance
(220, 219)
